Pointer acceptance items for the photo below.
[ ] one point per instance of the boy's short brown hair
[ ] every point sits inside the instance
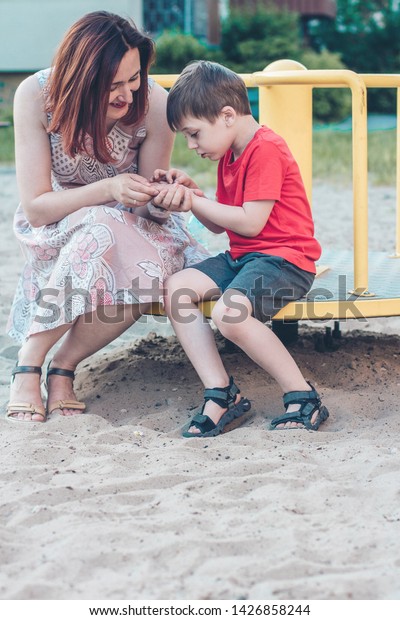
(202, 90)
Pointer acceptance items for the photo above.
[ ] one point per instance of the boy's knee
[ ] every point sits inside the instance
(171, 282)
(178, 285)
(170, 285)
(178, 295)
(230, 317)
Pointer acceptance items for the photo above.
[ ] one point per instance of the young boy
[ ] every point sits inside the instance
(262, 205)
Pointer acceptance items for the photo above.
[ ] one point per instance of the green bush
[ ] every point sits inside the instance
(329, 104)
(366, 44)
(250, 40)
(6, 145)
(6, 115)
(174, 50)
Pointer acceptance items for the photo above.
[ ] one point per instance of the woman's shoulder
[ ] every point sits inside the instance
(29, 85)
(33, 84)
(155, 90)
(29, 100)
(157, 101)
(154, 117)
(42, 76)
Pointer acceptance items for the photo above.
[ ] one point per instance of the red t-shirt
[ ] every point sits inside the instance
(266, 170)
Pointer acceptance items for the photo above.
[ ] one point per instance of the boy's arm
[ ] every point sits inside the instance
(211, 226)
(248, 220)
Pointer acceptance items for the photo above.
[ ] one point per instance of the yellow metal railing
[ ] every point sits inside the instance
(326, 79)
(390, 81)
(290, 114)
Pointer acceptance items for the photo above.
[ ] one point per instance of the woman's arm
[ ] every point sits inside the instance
(41, 205)
(155, 152)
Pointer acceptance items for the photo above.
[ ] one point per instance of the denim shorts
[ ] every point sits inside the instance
(269, 282)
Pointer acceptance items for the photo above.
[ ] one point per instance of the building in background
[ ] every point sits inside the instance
(308, 10)
(311, 9)
(30, 30)
(200, 18)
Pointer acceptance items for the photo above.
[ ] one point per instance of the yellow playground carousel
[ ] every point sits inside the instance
(349, 284)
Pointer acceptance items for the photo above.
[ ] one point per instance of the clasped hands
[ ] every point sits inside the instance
(175, 190)
(167, 190)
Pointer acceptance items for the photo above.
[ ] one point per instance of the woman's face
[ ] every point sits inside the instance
(126, 81)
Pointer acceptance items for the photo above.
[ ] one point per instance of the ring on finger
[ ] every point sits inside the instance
(135, 202)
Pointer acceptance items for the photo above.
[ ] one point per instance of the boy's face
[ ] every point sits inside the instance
(209, 139)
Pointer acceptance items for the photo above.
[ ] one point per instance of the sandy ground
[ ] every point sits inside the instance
(116, 505)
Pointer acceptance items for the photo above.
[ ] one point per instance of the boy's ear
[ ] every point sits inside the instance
(229, 115)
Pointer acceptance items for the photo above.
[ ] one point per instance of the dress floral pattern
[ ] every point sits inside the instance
(99, 255)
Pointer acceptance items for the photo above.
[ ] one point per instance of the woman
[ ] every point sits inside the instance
(89, 133)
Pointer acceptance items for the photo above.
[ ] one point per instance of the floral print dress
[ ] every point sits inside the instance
(100, 255)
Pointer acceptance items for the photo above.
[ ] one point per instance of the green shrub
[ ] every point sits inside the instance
(174, 50)
(367, 37)
(250, 40)
(6, 145)
(6, 115)
(329, 104)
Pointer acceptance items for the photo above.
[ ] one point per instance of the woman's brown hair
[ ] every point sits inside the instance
(81, 77)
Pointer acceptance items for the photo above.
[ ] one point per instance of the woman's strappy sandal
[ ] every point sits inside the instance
(309, 402)
(15, 408)
(224, 397)
(62, 404)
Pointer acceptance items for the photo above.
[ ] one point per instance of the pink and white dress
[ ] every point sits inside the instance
(97, 256)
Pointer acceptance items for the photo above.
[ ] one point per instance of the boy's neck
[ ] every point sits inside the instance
(246, 128)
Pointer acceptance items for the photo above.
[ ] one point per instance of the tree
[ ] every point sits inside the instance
(175, 50)
(366, 34)
(253, 38)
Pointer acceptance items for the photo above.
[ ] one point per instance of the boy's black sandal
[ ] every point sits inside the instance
(224, 397)
(309, 402)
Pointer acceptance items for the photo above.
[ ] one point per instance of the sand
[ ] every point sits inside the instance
(116, 505)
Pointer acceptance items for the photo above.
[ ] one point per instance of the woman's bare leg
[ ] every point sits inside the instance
(25, 388)
(90, 333)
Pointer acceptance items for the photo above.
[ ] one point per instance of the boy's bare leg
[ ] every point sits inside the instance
(252, 336)
(184, 290)
(90, 333)
(260, 344)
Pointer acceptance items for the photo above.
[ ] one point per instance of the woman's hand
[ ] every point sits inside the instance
(132, 190)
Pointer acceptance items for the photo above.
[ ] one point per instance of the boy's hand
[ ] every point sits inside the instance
(174, 197)
(173, 175)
